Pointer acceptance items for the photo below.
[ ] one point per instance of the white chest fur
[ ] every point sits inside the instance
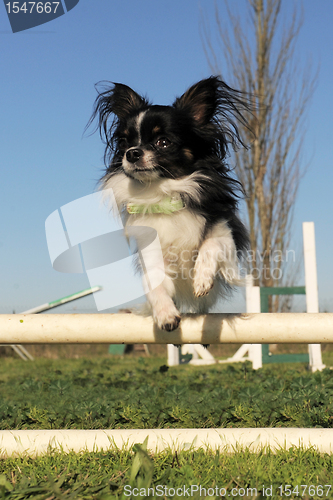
(191, 261)
(181, 230)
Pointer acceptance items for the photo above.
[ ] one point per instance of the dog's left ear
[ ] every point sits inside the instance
(213, 102)
(201, 100)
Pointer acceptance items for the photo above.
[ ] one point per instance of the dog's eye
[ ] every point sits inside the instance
(163, 142)
(122, 143)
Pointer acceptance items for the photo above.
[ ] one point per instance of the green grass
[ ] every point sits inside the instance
(104, 475)
(138, 393)
(142, 393)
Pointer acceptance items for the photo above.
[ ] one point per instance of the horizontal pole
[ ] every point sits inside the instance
(260, 328)
(283, 290)
(38, 442)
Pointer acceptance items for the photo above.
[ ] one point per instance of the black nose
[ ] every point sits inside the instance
(134, 155)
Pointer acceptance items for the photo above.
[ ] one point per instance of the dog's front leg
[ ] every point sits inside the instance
(165, 313)
(216, 254)
(158, 286)
(205, 268)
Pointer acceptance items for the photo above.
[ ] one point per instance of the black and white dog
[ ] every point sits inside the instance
(166, 167)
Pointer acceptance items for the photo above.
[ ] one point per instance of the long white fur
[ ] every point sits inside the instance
(191, 260)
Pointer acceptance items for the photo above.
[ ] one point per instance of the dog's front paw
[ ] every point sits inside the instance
(167, 320)
(201, 286)
(170, 323)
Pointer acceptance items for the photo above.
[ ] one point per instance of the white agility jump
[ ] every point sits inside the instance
(247, 329)
(129, 328)
(279, 328)
(38, 442)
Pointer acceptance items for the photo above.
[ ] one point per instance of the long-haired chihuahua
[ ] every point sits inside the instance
(166, 166)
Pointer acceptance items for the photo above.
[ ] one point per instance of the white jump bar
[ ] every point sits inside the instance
(307, 328)
(38, 442)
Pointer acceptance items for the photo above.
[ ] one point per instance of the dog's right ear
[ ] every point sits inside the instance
(118, 100)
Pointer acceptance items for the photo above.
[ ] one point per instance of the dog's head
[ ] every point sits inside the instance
(149, 142)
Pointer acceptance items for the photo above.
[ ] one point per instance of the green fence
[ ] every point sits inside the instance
(265, 293)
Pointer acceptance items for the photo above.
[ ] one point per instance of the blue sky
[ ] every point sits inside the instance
(47, 92)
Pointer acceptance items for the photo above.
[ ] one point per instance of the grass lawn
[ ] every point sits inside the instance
(138, 392)
(105, 475)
